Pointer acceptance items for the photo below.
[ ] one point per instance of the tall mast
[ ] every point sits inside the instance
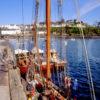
(48, 23)
(35, 23)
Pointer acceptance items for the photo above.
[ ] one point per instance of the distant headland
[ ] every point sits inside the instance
(67, 29)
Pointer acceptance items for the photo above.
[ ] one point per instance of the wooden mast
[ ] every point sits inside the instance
(35, 23)
(48, 37)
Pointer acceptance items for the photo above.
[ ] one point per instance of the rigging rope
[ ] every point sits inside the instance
(35, 22)
(60, 2)
(36, 11)
(23, 29)
(89, 74)
(60, 13)
(62, 48)
(19, 36)
(21, 42)
(32, 12)
(31, 23)
(60, 22)
(35, 30)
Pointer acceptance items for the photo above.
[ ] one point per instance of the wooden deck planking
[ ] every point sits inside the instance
(16, 88)
(4, 93)
(4, 85)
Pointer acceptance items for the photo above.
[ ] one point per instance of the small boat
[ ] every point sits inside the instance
(55, 59)
(55, 62)
(72, 39)
(22, 60)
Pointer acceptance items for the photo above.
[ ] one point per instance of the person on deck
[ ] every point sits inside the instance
(23, 68)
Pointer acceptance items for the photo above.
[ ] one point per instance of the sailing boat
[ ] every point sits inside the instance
(35, 76)
(39, 86)
(38, 55)
(55, 61)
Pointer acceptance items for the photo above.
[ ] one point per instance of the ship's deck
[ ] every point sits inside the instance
(4, 85)
(10, 84)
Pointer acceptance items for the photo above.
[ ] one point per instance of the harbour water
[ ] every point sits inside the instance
(72, 50)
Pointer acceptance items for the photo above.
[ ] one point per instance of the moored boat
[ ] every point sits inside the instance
(36, 68)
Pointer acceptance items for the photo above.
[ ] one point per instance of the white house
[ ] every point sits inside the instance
(10, 32)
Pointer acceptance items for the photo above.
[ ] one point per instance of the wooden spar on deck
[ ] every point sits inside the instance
(48, 37)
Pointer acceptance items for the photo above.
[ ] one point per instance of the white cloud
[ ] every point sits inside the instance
(89, 7)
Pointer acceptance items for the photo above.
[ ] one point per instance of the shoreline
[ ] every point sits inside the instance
(55, 36)
(79, 37)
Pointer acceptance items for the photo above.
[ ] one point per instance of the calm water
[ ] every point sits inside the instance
(73, 52)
